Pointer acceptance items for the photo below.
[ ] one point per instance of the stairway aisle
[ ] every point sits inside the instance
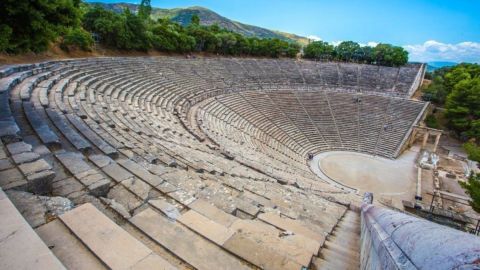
(342, 248)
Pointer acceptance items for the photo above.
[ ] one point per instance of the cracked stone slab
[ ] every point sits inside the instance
(73, 162)
(5, 164)
(138, 187)
(124, 197)
(12, 178)
(34, 167)
(119, 250)
(100, 160)
(21, 247)
(19, 147)
(117, 207)
(66, 187)
(168, 209)
(25, 157)
(116, 172)
(99, 188)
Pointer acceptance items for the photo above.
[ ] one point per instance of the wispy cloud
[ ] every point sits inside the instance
(314, 38)
(437, 51)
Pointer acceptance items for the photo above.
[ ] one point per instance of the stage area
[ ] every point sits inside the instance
(389, 180)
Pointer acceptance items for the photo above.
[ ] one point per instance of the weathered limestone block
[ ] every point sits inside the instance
(116, 172)
(66, 187)
(120, 209)
(18, 147)
(99, 188)
(34, 167)
(40, 182)
(38, 209)
(25, 157)
(138, 187)
(100, 160)
(5, 164)
(124, 197)
(168, 209)
(9, 130)
(12, 178)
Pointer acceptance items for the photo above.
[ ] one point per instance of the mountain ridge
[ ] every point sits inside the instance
(434, 65)
(183, 17)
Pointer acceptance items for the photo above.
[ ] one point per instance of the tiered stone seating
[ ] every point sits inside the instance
(183, 155)
(321, 121)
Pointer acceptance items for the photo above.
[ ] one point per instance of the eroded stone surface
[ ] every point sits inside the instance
(37, 209)
(114, 246)
(20, 246)
(19, 147)
(25, 157)
(5, 164)
(34, 167)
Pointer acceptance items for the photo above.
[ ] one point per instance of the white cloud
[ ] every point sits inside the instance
(314, 38)
(335, 42)
(370, 43)
(432, 50)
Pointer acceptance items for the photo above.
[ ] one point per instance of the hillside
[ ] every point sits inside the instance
(208, 17)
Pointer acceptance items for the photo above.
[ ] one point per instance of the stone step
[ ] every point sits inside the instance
(187, 245)
(294, 226)
(140, 172)
(345, 237)
(82, 171)
(111, 244)
(211, 230)
(346, 250)
(20, 246)
(92, 136)
(333, 256)
(342, 248)
(355, 229)
(69, 132)
(321, 264)
(213, 213)
(68, 249)
(39, 124)
(349, 219)
(259, 255)
(295, 248)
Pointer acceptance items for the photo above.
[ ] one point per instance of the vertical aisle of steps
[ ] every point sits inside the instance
(341, 249)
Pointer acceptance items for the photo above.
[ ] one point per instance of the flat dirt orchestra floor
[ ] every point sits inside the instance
(390, 180)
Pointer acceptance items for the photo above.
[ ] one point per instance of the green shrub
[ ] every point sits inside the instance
(5, 35)
(473, 150)
(431, 121)
(77, 38)
(472, 188)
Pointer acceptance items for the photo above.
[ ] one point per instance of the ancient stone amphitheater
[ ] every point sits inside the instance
(174, 163)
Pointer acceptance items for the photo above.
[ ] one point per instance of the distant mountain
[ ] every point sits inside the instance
(207, 17)
(432, 66)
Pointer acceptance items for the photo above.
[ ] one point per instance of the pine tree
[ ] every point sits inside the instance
(145, 10)
(472, 187)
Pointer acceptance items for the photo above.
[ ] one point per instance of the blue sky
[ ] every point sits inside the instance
(429, 29)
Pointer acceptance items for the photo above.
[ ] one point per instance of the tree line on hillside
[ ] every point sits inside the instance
(33, 25)
(349, 51)
(457, 89)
